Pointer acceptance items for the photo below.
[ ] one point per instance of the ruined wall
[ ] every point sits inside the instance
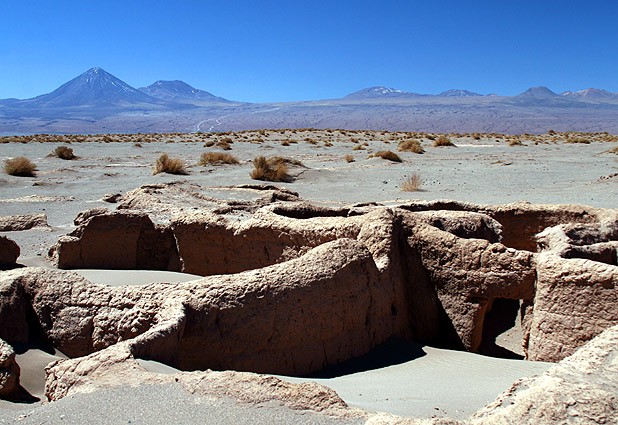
(293, 290)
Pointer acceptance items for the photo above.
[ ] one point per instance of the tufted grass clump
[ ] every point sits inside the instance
(442, 141)
(576, 139)
(217, 158)
(388, 155)
(411, 145)
(272, 169)
(19, 166)
(225, 143)
(284, 160)
(412, 183)
(64, 152)
(168, 165)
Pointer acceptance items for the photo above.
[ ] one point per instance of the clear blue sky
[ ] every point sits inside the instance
(299, 50)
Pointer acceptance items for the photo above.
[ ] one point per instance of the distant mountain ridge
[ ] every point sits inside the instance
(179, 91)
(98, 102)
(380, 92)
(459, 93)
(592, 95)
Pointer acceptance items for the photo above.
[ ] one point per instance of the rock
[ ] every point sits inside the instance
(294, 318)
(210, 244)
(291, 288)
(441, 272)
(520, 221)
(575, 300)
(15, 223)
(164, 201)
(582, 388)
(13, 307)
(117, 240)
(464, 224)
(112, 198)
(9, 371)
(198, 243)
(115, 366)
(85, 215)
(467, 274)
(597, 242)
(74, 315)
(299, 315)
(9, 251)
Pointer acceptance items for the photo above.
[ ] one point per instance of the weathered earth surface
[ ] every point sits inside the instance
(116, 366)
(9, 251)
(9, 371)
(576, 288)
(291, 287)
(442, 263)
(14, 223)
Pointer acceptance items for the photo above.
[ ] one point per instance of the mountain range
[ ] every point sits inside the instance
(180, 92)
(97, 101)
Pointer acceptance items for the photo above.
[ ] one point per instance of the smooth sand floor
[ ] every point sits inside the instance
(438, 383)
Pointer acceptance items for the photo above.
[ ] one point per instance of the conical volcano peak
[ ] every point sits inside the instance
(93, 87)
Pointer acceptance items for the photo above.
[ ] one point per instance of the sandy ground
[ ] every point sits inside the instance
(438, 383)
(421, 382)
(159, 404)
(433, 382)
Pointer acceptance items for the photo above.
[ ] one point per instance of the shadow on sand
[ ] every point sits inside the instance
(392, 352)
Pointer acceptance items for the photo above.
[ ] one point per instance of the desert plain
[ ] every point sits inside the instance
(210, 296)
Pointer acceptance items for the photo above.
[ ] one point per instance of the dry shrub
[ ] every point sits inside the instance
(217, 158)
(64, 152)
(270, 170)
(442, 141)
(285, 143)
(411, 145)
(209, 144)
(412, 183)
(349, 158)
(225, 144)
(168, 165)
(613, 150)
(20, 166)
(577, 140)
(283, 160)
(515, 142)
(358, 147)
(389, 155)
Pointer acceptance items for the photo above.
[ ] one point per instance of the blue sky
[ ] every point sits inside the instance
(300, 50)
